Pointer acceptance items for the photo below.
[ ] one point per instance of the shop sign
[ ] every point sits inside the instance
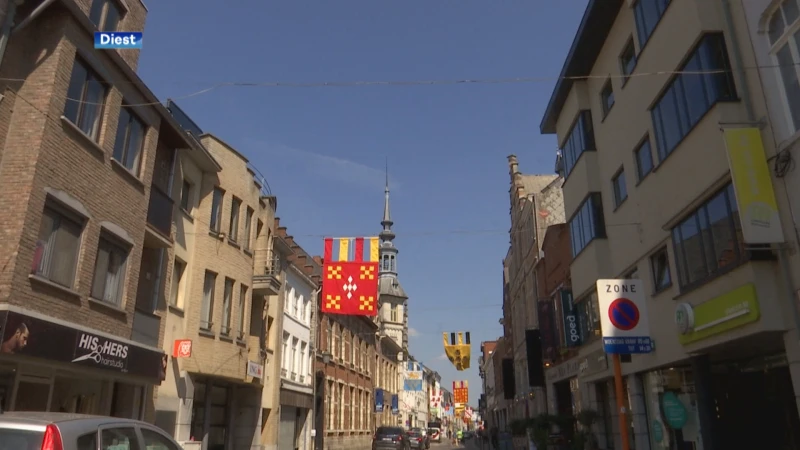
(182, 348)
(572, 333)
(568, 369)
(595, 362)
(731, 310)
(658, 431)
(255, 369)
(39, 338)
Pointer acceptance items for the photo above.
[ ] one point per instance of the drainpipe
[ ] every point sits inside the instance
(8, 9)
(33, 15)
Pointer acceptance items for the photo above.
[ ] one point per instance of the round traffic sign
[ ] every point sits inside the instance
(623, 314)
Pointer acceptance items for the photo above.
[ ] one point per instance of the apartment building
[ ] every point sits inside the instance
(349, 377)
(654, 188)
(84, 172)
(297, 327)
(217, 323)
(432, 380)
(413, 402)
(535, 201)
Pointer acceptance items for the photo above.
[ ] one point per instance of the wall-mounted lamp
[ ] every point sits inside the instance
(326, 357)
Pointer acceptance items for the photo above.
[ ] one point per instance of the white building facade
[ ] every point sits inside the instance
(296, 362)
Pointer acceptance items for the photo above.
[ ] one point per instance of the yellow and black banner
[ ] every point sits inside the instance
(458, 349)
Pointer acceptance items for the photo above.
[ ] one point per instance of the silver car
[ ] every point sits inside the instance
(64, 431)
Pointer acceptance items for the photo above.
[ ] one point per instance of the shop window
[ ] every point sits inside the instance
(119, 439)
(76, 395)
(671, 407)
(589, 317)
(156, 441)
(126, 401)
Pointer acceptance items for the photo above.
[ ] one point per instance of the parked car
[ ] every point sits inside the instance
(65, 431)
(426, 437)
(416, 440)
(391, 438)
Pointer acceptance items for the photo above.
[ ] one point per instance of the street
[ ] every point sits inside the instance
(470, 444)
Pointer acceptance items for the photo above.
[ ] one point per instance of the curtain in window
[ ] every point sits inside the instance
(108, 274)
(58, 244)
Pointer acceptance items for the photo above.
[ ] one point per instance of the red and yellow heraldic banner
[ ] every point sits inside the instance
(460, 392)
(350, 276)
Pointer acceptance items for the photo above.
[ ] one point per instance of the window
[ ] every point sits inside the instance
(85, 97)
(620, 187)
(242, 309)
(285, 363)
(347, 353)
(303, 359)
(154, 440)
(175, 297)
(588, 316)
(216, 210)
(579, 140)
(119, 438)
(227, 304)
(186, 196)
(709, 241)
(109, 272)
(784, 37)
(337, 335)
(607, 97)
(691, 95)
(233, 232)
(627, 60)
(648, 13)
(329, 406)
(393, 316)
(130, 140)
(105, 14)
(56, 255)
(659, 264)
(295, 361)
(587, 223)
(207, 307)
(248, 222)
(644, 159)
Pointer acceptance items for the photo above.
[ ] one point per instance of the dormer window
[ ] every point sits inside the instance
(105, 14)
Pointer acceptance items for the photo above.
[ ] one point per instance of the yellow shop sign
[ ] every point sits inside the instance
(731, 310)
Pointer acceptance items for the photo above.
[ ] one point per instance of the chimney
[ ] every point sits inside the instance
(276, 223)
(513, 166)
(309, 269)
(300, 261)
(281, 231)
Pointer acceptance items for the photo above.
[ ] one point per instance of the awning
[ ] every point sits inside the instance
(296, 399)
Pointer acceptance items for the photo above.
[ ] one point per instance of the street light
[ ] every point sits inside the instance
(326, 358)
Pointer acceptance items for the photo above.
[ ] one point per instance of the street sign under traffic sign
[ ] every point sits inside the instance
(623, 316)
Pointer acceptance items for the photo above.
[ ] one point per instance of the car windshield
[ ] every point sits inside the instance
(389, 431)
(11, 439)
(415, 433)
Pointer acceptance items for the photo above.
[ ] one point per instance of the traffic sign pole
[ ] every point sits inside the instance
(623, 413)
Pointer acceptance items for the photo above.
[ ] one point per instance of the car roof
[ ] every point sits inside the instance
(46, 418)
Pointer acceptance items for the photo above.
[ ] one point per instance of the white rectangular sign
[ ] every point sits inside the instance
(623, 316)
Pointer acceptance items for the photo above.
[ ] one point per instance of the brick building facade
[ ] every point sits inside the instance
(82, 177)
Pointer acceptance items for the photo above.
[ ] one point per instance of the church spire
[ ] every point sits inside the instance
(387, 235)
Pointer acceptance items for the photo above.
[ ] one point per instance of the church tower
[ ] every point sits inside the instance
(393, 299)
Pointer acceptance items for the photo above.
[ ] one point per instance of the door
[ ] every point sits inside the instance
(287, 427)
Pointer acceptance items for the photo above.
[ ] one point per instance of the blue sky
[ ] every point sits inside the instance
(323, 149)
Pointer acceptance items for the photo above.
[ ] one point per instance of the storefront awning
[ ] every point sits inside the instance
(296, 399)
(33, 335)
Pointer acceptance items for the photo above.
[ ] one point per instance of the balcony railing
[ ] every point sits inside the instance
(267, 276)
(159, 211)
(294, 376)
(283, 373)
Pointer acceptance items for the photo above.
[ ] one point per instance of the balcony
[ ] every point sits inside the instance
(267, 277)
(159, 219)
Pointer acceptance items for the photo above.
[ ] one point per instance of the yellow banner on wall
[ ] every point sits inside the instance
(752, 182)
(458, 349)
